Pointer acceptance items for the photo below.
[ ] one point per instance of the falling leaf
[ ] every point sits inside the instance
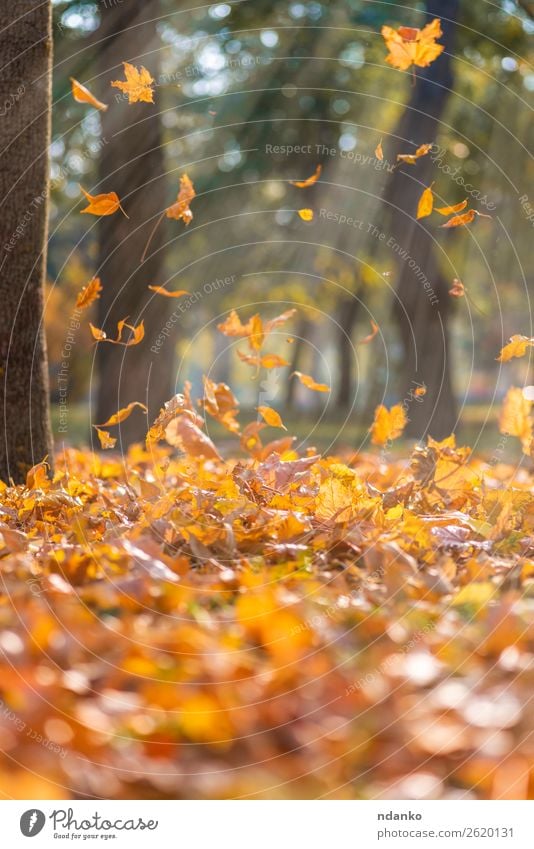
(89, 294)
(138, 85)
(388, 424)
(410, 46)
(371, 336)
(161, 290)
(272, 361)
(304, 184)
(420, 391)
(379, 153)
(138, 334)
(271, 417)
(184, 433)
(180, 209)
(458, 289)
(172, 408)
(104, 204)
(220, 402)
(82, 95)
(450, 210)
(310, 383)
(122, 415)
(516, 347)
(461, 220)
(106, 440)
(306, 214)
(515, 419)
(411, 158)
(426, 203)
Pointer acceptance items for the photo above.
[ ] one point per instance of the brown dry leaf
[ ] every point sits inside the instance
(271, 417)
(103, 204)
(304, 184)
(388, 424)
(306, 214)
(516, 347)
(89, 294)
(180, 209)
(426, 203)
(450, 210)
(161, 290)
(138, 84)
(82, 95)
(411, 46)
(310, 383)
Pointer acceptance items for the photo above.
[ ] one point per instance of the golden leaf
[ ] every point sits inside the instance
(271, 417)
(388, 424)
(310, 383)
(426, 203)
(138, 84)
(410, 46)
(103, 204)
(306, 214)
(82, 95)
(304, 184)
(516, 347)
(89, 294)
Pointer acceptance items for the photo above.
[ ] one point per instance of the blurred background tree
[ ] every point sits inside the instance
(235, 84)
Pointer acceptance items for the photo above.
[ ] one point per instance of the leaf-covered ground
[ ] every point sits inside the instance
(280, 626)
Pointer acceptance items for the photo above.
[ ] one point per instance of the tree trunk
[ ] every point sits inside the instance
(132, 164)
(25, 103)
(422, 306)
(345, 345)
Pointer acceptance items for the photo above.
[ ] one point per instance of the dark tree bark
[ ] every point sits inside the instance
(423, 320)
(25, 104)
(132, 164)
(345, 347)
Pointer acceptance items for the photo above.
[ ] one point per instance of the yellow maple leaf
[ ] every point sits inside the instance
(388, 424)
(138, 84)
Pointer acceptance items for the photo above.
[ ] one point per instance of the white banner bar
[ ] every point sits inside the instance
(269, 824)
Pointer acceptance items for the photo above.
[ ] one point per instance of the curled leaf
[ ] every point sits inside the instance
(123, 414)
(371, 336)
(180, 209)
(161, 290)
(82, 95)
(411, 158)
(450, 210)
(304, 184)
(138, 334)
(310, 383)
(89, 294)
(461, 220)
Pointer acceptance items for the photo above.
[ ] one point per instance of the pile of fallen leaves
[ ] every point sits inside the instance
(175, 624)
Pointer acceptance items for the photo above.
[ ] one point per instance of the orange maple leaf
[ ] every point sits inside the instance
(411, 46)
